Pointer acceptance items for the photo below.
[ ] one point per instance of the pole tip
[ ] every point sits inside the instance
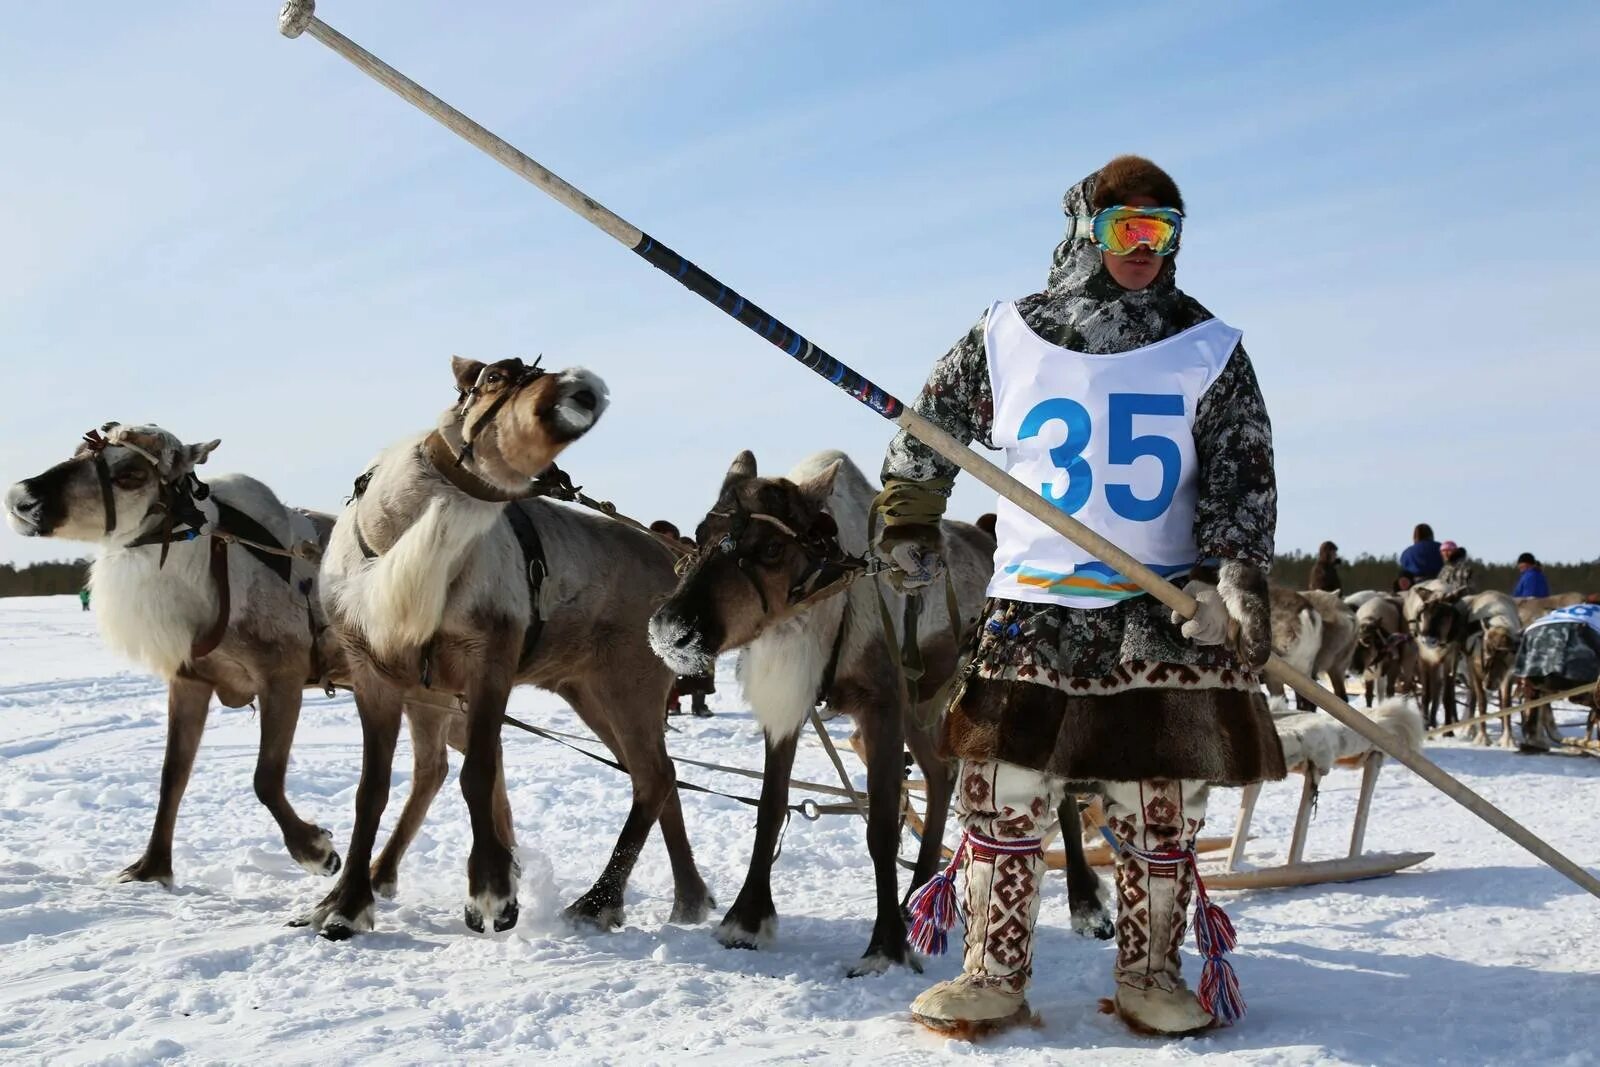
(296, 16)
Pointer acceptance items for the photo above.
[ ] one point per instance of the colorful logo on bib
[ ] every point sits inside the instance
(1094, 580)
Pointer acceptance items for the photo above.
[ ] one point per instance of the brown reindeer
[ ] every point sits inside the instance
(1316, 632)
(1493, 634)
(428, 581)
(765, 546)
(177, 592)
(1385, 653)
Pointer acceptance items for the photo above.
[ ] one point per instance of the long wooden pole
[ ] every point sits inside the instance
(298, 16)
(1488, 716)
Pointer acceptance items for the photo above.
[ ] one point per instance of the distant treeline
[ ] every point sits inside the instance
(1293, 569)
(43, 579)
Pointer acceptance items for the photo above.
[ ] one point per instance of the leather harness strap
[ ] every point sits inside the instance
(454, 470)
(537, 569)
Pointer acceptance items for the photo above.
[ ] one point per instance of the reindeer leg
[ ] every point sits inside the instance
(691, 900)
(430, 766)
(938, 776)
(491, 865)
(882, 733)
(349, 908)
(1085, 891)
(310, 845)
(653, 779)
(752, 922)
(188, 701)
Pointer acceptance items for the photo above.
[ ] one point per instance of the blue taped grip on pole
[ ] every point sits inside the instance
(735, 306)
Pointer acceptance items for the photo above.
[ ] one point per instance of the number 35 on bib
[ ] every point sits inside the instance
(1107, 439)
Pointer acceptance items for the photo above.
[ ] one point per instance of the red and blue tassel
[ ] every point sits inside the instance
(1214, 935)
(1215, 938)
(933, 908)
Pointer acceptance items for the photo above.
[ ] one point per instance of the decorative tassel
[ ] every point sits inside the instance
(1214, 937)
(1213, 930)
(1219, 991)
(933, 908)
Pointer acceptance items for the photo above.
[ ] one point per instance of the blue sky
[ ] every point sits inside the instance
(238, 236)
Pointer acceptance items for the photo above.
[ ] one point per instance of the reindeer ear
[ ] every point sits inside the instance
(742, 470)
(194, 455)
(819, 487)
(466, 372)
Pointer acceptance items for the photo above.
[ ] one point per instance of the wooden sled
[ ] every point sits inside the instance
(1355, 866)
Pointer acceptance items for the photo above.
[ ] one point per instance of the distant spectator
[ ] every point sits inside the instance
(1325, 571)
(986, 522)
(83, 597)
(1423, 559)
(1531, 582)
(1458, 575)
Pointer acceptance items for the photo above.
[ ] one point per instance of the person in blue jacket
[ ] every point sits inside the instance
(1532, 581)
(1422, 560)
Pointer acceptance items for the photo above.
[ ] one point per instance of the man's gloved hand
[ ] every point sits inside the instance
(906, 518)
(1234, 612)
(915, 555)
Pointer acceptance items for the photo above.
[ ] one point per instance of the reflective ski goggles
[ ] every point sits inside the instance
(1120, 229)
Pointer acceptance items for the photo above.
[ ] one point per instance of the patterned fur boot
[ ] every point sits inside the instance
(1153, 903)
(1005, 810)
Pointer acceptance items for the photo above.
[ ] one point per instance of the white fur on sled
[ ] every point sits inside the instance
(1318, 739)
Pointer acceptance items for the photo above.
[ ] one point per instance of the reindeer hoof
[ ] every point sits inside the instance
(692, 912)
(732, 934)
(1093, 922)
(507, 917)
(879, 962)
(474, 919)
(143, 871)
(337, 930)
(595, 914)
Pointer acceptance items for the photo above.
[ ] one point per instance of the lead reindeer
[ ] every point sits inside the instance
(765, 547)
(432, 582)
(211, 587)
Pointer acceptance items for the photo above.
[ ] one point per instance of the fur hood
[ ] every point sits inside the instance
(1099, 316)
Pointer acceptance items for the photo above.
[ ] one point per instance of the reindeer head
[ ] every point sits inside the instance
(119, 478)
(762, 547)
(1441, 620)
(513, 419)
(1499, 649)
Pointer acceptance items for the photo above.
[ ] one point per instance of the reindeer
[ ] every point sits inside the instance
(1385, 654)
(765, 547)
(1490, 650)
(1532, 608)
(435, 584)
(1316, 632)
(1439, 623)
(210, 586)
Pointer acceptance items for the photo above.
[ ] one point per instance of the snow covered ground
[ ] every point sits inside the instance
(1478, 956)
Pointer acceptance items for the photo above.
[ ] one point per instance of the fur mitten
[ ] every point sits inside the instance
(1232, 612)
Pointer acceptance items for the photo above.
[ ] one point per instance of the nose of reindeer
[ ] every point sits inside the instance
(23, 509)
(581, 399)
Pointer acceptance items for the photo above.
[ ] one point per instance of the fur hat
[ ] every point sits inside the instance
(1130, 176)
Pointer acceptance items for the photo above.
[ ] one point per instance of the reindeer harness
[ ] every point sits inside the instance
(182, 520)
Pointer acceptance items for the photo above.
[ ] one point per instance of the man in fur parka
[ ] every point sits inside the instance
(1128, 405)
